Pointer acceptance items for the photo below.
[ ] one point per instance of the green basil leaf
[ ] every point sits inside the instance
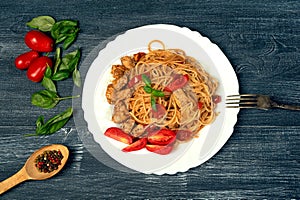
(158, 93)
(61, 75)
(69, 40)
(49, 84)
(58, 121)
(45, 99)
(76, 78)
(71, 60)
(147, 89)
(48, 72)
(57, 59)
(60, 38)
(153, 103)
(146, 80)
(43, 23)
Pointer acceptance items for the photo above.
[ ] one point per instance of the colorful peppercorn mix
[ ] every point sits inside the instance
(48, 161)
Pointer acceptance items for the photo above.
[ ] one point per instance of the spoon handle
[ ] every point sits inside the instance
(14, 180)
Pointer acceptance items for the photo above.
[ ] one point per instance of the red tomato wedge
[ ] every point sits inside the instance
(162, 137)
(179, 81)
(160, 111)
(119, 135)
(136, 79)
(159, 149)
(137, 145)
(184, 135)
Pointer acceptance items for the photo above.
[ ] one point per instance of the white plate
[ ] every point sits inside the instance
(97, 112)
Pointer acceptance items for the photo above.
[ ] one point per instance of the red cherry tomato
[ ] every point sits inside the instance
(23, 61)
(119, 135)
(38, 67)
(162, 137)
(178, 82)
(39, 41)
(159, 149)
(137, 145)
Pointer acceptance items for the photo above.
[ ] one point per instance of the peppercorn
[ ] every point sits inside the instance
(48, 161)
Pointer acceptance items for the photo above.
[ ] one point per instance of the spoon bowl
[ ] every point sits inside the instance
(30, 172)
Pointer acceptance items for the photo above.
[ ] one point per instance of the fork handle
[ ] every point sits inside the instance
(284, 106)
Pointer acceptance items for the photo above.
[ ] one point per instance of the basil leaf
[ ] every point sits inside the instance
(61, 75)
(153, 103)
(58, 121)
(158, 93)
(147, 89)
(53, 124)
(71, 60)
(76, 78)
(43, 23)
(45, 99)
(48, 84)
(48, 72)
(146, 80)
(69, 40)
(57, 59)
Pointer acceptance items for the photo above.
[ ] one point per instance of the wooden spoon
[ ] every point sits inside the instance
(30, 172)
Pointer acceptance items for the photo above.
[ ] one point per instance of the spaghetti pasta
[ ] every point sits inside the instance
(188, 89)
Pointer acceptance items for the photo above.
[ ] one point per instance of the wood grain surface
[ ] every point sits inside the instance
(261, 159)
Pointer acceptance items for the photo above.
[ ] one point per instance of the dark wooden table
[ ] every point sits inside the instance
(261, 159)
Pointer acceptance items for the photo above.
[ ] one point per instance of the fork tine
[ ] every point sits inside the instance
(241, 101)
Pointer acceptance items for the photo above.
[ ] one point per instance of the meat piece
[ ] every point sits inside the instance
(118, 71)
(181, 98)
(121, 95)
(137, 131)
(120, 113)
(138, 56)
(110, 93)
(128, 62)
(120, 83)
(127, 125)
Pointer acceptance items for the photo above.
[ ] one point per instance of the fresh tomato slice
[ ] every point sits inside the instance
(184, 135)
(160, 111)
(162, 137)
(137, 145)
(136, 79)
(119, 135)
(179, 81)
(159, 149)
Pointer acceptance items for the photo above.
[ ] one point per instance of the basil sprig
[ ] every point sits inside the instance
(65, 31)
(154, 93)
(53, 124)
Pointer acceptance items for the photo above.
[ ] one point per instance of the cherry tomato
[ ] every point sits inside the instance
(119, 135)
(184, 135)
(39, 41)
(137, 145)
(159, 149)
(38, 67)
(178, 82)
(162, 137)
(23, 61)
(160, 111)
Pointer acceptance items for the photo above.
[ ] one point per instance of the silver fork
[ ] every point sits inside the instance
(258, 101)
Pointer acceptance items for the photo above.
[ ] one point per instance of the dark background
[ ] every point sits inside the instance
(261, 160)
